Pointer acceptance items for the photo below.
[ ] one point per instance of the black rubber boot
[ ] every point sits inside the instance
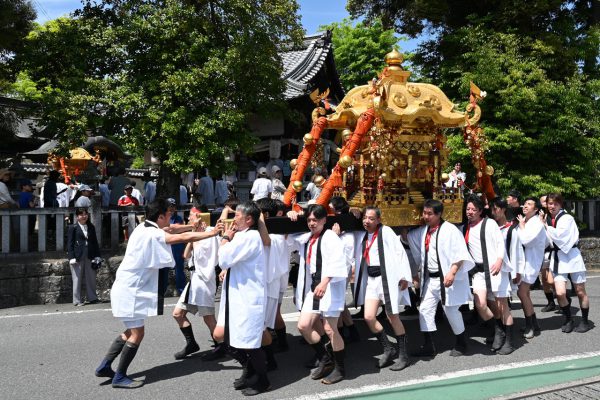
(104, 370)
(261, 385)
(282, 344)
(271, 362)
(460, 347)
(428, 348)
(257, 363)
(190, 343)
(389, 353)
(325, 365)
(584, 325)
(528, 333)
(121, 380)
(499, 336)
(219, 351)
(339, 370)
(508, 346)
(401, 349)
(551, 306)
(536, 326)
(568, 325)
(491, 336)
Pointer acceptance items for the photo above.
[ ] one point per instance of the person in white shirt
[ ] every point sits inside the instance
(565, 260)
(533, 237)
(137, 194)
(262, 186)
(6, 200)
(84, 200)
(134, 294)
(278, 186)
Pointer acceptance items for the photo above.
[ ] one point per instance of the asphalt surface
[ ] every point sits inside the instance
(51, 352)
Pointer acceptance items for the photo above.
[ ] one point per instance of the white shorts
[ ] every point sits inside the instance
(307, 307)
(374, 290)
(529, 279)
(200, 311)
(503, 291)
(270, 312)
(576, 277)
(132, 323)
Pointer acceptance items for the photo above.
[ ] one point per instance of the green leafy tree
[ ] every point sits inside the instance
(537, 60)
(359, 50)
(178, 78)
(16, 20)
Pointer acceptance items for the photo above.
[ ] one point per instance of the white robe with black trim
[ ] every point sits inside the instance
(397, 268)
(333, 265)
(453, 249)
(278, 260)
(201, 288)
(495, 245)
(565, 236)
(244, 294)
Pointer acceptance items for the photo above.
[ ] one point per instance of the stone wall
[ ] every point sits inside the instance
(49, 281)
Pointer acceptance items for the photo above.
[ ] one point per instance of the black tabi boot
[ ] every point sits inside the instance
(536, 327)
(260, 383)
(339, 370)
(271, 362)
(325, 365)
(508, 346)
(218, 351)
(568, 325)
(499, 336)
(104, 370)
(282, 344)
(528, 333)
(190, 343)
(428, 348)
(460, 347)
(247, 370)
(584, 325)
(551, 306)
(389, 353)
(489, 338)
(121, 380)
(314, 361)
(401, 349)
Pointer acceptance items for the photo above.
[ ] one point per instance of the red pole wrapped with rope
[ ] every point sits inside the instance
(363, 126)
(310, 145)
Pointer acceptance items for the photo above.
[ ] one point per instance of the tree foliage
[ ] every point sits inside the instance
(359, 50)
(537, 60)
(176, 77)
(16, 20)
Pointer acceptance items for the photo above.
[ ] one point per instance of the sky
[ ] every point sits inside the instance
(314, 13)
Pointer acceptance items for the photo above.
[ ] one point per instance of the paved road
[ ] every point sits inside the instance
(50, 352)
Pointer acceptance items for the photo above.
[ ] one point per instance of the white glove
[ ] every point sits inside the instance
(73, 261)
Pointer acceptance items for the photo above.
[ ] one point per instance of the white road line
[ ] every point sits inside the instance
(450, 375)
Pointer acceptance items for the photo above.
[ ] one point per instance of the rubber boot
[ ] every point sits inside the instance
(568, 325)
(257, 361)
(489, 339)
(121, 380)
(499, 336)
(191, 346)
(551, 306)
(536, 326)
(508, 346)
(389, 353)
(218, 351)
(104, 370)
(325, 365)
(528, 333)
(460, 347)
(339, 370)
(428, 348)
(271, 362)
(401, 349)
(584, 325)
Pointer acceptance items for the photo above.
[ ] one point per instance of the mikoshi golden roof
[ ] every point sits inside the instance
(397, 101)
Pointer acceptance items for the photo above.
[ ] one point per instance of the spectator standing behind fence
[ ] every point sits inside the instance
(26, 197)
(104, 192)
(84, 199)
(50, 190)
(6, 200)
(177, 249)
(137, 194)
(206, 191)
(82, 248)
(183, 194)
(221, 192)
(117, 185)
(149, 188)
(127, 200)
(262, 186)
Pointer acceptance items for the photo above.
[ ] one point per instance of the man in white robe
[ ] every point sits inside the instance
(491, 279)
(382, 277)
(445, 263)
(321, 292)
(533, 237)
(566, 259)
(241, 318)
(198, 296)
(134, 294)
